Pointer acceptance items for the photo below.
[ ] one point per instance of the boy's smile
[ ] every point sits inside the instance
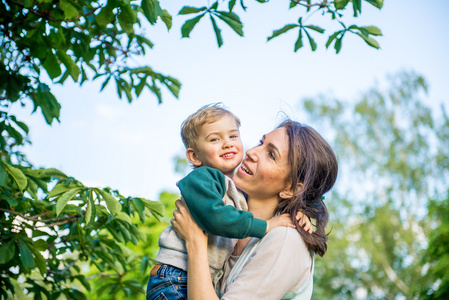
(218, 146)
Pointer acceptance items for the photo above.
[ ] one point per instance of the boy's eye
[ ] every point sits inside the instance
(234, 136)
(214, 139)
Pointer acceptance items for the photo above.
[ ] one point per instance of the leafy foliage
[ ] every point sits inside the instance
(48, 233)
(436, 257)
(393, 146)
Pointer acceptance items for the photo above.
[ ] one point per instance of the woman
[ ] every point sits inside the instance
(290, 170)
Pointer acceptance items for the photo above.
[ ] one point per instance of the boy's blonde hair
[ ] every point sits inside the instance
(191, 127)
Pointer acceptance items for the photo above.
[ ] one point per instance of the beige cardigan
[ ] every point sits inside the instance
(281, 264)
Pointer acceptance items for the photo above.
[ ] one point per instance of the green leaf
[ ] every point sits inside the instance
(51, 65)
(152, 10)
(52, 173)
(311, 41)
(143, 40)
(123, 216)
(40, 245)
(90, 211)
(298, 44)
(59, 189)
(17, 175)
(40, 260)
(144, 264)
(25, 255)
(105, 16)
(71, 66)
(316, 28)
(357, 6)
(370, 41)
(140, 207)
(22, 125)
(376, 3)
(7, 252)
(232, 20)
(138, 88)
(155, 207)
(373, 30)
(64, 198)
(282, 30)
(337, 45)
(113, 205)
(83, 281)
(189, 25)
(70, 11)
(214, 6)
(3, 176)
(167, 19)
(217, 31)
(105, 82)
(191, 10)
(231, 5)
(340, 4)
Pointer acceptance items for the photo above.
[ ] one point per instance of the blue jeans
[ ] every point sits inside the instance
(170, 283)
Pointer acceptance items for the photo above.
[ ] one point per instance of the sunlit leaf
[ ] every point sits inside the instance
(188, 26)
(299, 44)
(113, 205)
(311, 41)
(282, 30)
(17, 175)
(64, 198)
(7, 252)
(217, 32)
(370, 41)
(191, 10)
(316, 28)
(377, 3)
(373, 30)
(232, 20)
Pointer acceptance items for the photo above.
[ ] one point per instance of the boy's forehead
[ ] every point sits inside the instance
(225, 123)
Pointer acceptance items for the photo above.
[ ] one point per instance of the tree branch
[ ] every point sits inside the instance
(57, 221)
(321, 5)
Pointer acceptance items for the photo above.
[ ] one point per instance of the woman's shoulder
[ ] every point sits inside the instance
(287, 238)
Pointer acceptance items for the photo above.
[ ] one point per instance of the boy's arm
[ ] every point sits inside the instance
(203, 191)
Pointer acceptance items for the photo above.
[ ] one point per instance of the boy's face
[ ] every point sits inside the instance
(218, 146)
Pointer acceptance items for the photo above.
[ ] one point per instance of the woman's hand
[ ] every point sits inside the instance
(185, 225)
(199, 282)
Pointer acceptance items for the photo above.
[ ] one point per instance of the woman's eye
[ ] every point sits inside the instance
(271, 155)
(260, 143)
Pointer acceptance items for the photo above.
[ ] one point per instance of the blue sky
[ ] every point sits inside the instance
(104, 141)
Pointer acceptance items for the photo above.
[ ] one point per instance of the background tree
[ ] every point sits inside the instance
(393, 156)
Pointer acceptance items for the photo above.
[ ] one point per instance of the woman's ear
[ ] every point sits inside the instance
(289, 193)
(193, 157)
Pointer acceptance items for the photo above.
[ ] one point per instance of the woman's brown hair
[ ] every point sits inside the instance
(314, 170)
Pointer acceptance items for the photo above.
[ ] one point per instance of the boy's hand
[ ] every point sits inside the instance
(304, 222)
(282, 220)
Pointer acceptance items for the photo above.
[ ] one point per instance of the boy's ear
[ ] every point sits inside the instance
(289, 193)
(193, 157)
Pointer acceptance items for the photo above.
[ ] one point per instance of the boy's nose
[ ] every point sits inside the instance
(228, 143)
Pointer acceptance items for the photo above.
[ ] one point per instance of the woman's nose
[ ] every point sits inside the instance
(252, 154)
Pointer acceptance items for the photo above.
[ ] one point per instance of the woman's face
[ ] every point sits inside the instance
(265, 168)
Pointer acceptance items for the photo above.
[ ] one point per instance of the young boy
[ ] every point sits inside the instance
(212, 139)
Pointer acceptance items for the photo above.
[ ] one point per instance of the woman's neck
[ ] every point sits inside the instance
(262, 208)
